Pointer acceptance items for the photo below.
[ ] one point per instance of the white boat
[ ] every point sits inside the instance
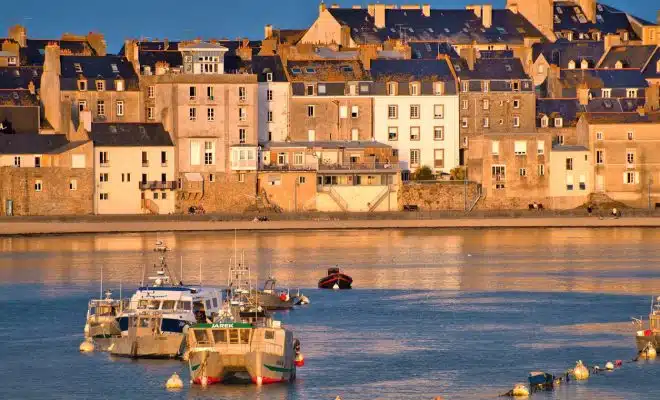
(101, 321)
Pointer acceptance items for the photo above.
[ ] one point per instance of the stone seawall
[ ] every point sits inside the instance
(437, 196)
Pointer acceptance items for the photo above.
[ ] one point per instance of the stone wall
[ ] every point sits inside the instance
(56, 196)
(437, 196)
(224, 194)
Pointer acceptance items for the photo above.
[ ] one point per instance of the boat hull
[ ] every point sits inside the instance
(270, 301)
(102, 327)
(211, 367)
(341, 280)
(644, 340)
(152, 346)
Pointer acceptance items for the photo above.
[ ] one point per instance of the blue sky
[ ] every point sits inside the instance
(176, 19)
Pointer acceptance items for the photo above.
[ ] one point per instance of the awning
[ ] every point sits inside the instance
(194, 177)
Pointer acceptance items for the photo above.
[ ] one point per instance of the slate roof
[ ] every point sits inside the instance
(130, 135)
(630, 56)
(289, 36)
(566, 147)
(173, 58)
(261, 65)
(568, 109)
(603, 78)
(608, 20)
(453, 26)
(431, 50)
(409, 70)
(494, 69)
(328, 144)
(652, 71)
(562, 51)
(33, 53)
(19, 77)
(623, 118)
(33, 143)
(18, 98)
(201, 45)
(326, 71)
(97, 67)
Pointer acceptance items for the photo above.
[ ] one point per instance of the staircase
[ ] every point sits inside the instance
(263, 203)
(379, 198)
(343, 205)
(150, 206)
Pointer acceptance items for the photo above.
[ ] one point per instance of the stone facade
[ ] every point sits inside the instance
(443, 196)
(224, 192)
(332, 118)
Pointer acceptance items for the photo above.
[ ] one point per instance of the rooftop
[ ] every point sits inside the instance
(326, 71)
(407, 70)
(562, 51)
(622, 118)
(33, 143)
(603, 78)
(130, 135)
(629, 56)
(326, 145)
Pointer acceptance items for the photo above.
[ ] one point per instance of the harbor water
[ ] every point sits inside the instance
(459, 314)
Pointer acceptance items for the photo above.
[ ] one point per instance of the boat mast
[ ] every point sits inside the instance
(181, 268)
(101, 294)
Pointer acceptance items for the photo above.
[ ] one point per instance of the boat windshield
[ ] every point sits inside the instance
(184, 305)
(333, 271)
(168, 304)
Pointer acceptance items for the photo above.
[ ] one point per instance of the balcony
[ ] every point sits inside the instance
(158, 185)
(360, 166)
(105, 164)
(244, 158)
(145, 163)
(289, 167)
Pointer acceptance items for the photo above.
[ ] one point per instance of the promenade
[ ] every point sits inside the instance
(181, 223)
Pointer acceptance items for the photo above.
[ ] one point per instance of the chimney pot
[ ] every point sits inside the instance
(379, 15)
(321, 8)
(268, 31)
(426, 10)
(487, 15)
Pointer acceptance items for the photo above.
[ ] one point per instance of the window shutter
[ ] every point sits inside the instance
(343, 112)
(195, 153)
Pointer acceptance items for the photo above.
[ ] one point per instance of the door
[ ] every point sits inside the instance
(600, 183)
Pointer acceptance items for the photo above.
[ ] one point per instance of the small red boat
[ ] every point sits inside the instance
(335, 280)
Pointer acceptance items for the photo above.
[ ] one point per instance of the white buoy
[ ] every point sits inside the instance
(303, 300)
(609, 366)
(335, 286)
(580, 371)
(520, 390)
(174, 382)
(87, 346)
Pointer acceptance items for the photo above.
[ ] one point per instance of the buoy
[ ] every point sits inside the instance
(260, 380)
(299, 361)
(520, 390)
(335, 286)
(609, 366)
(337, 398)
(580, 371)
(648, 352)
(174, 382)
(87, 346)
(303, 299)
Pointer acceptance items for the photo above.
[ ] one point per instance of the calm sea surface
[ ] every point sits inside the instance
(464, 314)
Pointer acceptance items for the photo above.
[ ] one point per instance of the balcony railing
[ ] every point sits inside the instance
(359, 166)
(158, 185)
(289, 167)
(246, 165)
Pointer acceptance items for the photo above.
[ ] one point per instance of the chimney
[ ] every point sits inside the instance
(166, 44)
(589, 9)
(244, 50)
(132, 53)
(469, 54)
(610, 41)
(86, 120)
(356, 7)
(97, 42)
(19, 34)
(583, 94)
(334, 5)
(379, 15)
(487, 15)
(475, 8)
(426, 10)
(268, 31)
(52, 59)
(321, 8)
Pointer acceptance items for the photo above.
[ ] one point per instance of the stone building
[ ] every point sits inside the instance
(133, 168)
(416, 112)
(274, 98)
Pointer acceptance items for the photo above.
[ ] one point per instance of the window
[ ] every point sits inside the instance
(465, 104)
(439, 158)
(438, 111)
(298, 158)
(37, 161)
(242, 93)
(120, 108)
(569, 182)
(414, 89)
(192, 92)
(150, 113)
(629, 178)
(559, 122)
(630, 136)
(100, 108)
(541, 169)
(211, 178)
(311, 111)
(103, 196)
(485, 86)
(151, 92)
(485, 122)
(242, 114)
(82, 105)
(520, 147)
(495, 147)
(414, 133)
(485, 104)
(600, 157)
(155, 195)
(630, 157)
(100, 85)
(439, 88)
(544, 121)
(38, 185)
(269, 76)
(321, 88)
(414, 112)
(569, 164)
(414, 157)
(78, 68)
(516, 86)
(73, 184)
(465, 87)
(343, 112)
(241, 177)
(103, 158)
(269, 95)
(606, 93)
(82, 86)
(498, 173)
(516, 103)
(540, 147)
(103, 177)
(465, 141)
(311, 135)
(281, 158)
(119, 85)
(560, 139)
(516, 121)
(192, 114)
(583, 183)
(210, 114)
(144, 178)
(210, 93)
(439, 133)
(631, 93)
(269, 116)
(242, 135)
(209, 152)
(309, 90)
(464, 123)
(522, 172)
(301, 180)
(355, 134)
(392, 88)
(392, 133)
(392, 111)
(355, 111)
(163, 158)
(599, 135)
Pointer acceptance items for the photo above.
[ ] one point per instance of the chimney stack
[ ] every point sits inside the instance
(589, 9)
(268, 31)
(97, 42)
(658, 18)
(52, 59)
(583, 94)
(18, 33)
(426, 10)
(379, 15)
(475, 8)
(86, 120)
(321, 8)
(487, 15)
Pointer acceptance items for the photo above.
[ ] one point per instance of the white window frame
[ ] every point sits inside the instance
(540, 147)
(210, 114)
(151, 92)
(441, 135)
(192, 114)
(415, 161)
(355, 112)
(392, 111)
(438, 111)
(520, 147)
(495, 147)
(120, 108)
(415, 111)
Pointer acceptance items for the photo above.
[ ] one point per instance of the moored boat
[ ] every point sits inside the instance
(146, 339)
(271, 298)
(101, 321)
(540, 380)
(335, 280)
(649, 337)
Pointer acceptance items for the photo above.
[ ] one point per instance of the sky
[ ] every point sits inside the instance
(176, 19)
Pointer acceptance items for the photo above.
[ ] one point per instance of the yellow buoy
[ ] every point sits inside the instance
(580, 371)
(520, 390)
(648, 352)
(609, 366)
(87, 346)
(174, 382)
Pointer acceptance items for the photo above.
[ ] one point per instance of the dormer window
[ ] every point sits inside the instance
(606, 93)
(569, 35)
(544, 121)
(439, 88)
(269, 77)
(618, 65)
(100, 85)
(414, 89)
(657, 66)
(465, 86)
(119, 85)
(515, 85)
(559, 122)
(309, 90)
(78, 68)
(584, 64)
(485, 86)
(625, 36)
(114, 68)
(82, 85)
(571, 64)
(392, 89)
(631, 93)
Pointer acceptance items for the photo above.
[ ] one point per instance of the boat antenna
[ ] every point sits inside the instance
(101, 294)
(181, 273)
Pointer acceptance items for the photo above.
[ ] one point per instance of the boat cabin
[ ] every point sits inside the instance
(333, 270)
(238, 337)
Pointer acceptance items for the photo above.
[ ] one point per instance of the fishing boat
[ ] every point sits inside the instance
(101, 321)
(271, 298)
(649, 337)
(540, 380)
(153, 324)
(335, 280)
